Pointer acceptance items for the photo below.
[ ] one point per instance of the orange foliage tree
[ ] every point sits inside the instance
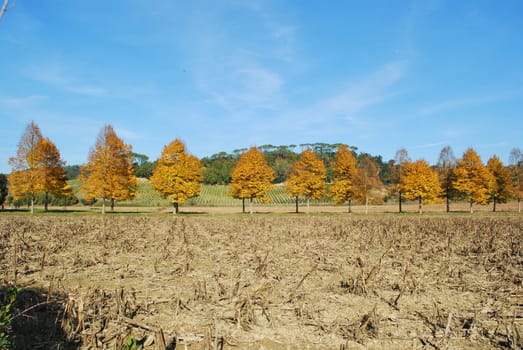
(307, 178)
(345, 169)
(108, 174)
(251, 177)
(51, 171)
(472, 179)
(177, 175)
(516, 167)
(367, 183)
(24, 179)
(420, 181)
(502, 189)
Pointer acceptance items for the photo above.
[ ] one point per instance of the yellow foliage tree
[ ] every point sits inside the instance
(502, 189)
(367, 184)
(24, 179)
(307, 178)
(108, 173)
(177, 175)
(345, 169)
(251, 177)
(51, 172)
(472, 179)
(421, 182)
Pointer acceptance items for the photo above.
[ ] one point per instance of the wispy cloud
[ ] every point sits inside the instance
(456, 103)
(431, 144)
(16, 102)
(56, 74)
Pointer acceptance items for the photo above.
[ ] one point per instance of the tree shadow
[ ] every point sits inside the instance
(37, 320)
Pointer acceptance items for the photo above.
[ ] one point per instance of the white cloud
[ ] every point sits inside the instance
(16, 102)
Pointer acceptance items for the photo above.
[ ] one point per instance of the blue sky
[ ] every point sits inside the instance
(222, 75)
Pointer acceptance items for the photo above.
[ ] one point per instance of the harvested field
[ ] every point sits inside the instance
(329, 281)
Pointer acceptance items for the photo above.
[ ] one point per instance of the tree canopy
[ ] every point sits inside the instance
(251, 177)
(345, 171)
(502, 189)
(109, 173)
(177, 175)
(307, 178)
(472, 179)
(419, 181)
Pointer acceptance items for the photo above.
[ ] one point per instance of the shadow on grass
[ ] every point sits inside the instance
(36, 321)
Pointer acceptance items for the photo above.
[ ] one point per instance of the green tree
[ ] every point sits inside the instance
(502, 189)
(251, 177)
(142, 167)
(472, 179)
(307, 178)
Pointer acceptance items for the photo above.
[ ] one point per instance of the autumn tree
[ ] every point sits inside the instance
(367, 184)
(307, 178)
(3, 190)
(177, 175)
(51, 172)
(344, 168)
(445, 168)
(420, 182)
(109, 174)
(502, 189)
(24, 179)
(516, 167)
(251, 177)
(473, 179)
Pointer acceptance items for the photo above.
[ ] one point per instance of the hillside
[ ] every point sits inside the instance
(210, 195)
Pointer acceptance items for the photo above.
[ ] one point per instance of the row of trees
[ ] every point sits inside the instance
(333, 170)
(466, 178)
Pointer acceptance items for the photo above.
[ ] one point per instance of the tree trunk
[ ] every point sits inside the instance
(350, 206)
(175, 208)
(399, 202)
(519, 205)
(243, 205)
(471, 202)
(32, 204)
(112, 204)
(103, 205)
(420, 205)
(46, 201)
(250, 207)
(448, 203)
(296, 204)
(366, 204)
(494, 206)
(308, 203)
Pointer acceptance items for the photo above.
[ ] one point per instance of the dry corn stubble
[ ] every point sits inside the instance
(304, 281)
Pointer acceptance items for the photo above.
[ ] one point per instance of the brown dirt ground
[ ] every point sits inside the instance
(266, 281)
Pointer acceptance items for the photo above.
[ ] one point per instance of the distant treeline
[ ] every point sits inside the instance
(218, 167)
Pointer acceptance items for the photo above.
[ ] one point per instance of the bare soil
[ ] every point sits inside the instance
(332, 281)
